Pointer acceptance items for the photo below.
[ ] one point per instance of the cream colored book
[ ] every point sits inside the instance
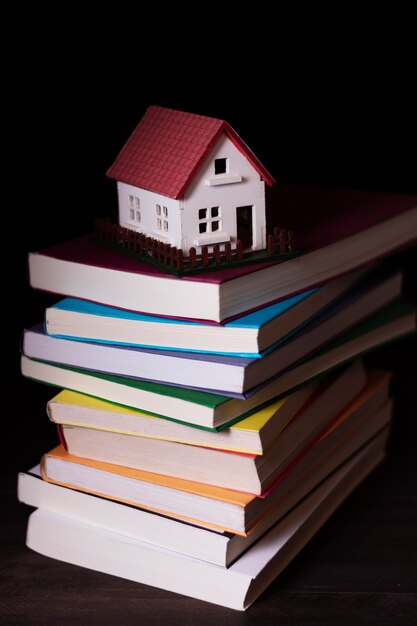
(210, 410)
(92, 544)
(253, 434)
(218, 507)
(207, 544)
(224, 468)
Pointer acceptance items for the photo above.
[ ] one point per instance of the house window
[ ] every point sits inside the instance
(208, 220)
(161, 212)
(134, 205)
(134, 202)
(220, 166)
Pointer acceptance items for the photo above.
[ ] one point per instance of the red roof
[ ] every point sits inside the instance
(167, 148)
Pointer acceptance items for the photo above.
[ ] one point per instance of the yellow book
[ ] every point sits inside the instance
(226, 509)
(253, 434)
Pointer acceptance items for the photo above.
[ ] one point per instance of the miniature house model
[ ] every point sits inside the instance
(189, 181)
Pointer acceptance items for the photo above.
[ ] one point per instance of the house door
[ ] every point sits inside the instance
(244, 225)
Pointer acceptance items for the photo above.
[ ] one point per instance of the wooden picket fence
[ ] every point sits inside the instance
(172, 258)
(169, 256)
(281, 241)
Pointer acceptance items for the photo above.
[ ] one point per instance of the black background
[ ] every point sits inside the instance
(339, 112)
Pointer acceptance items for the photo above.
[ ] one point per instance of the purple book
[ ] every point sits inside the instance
(228, 375)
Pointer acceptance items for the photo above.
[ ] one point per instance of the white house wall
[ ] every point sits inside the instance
(170, 230)
(199, 194)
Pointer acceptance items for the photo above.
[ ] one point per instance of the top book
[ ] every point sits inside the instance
(188, 185)
(342, 231)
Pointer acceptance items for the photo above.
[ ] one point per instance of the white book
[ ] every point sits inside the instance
(237, 587)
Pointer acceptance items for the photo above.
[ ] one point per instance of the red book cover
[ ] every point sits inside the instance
(318, 216)
(335, 230)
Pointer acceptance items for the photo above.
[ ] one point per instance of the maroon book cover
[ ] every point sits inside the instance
(318, 216)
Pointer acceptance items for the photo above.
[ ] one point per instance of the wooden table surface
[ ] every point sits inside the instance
(360, 568)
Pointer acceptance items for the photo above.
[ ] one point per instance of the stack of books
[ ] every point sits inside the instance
(210, 425)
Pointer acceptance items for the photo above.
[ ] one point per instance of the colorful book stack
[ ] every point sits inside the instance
(210, 424)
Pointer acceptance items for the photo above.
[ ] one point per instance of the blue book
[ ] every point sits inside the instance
(250, 335)
(229, 375)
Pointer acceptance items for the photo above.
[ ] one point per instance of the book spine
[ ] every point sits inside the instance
(61, 436)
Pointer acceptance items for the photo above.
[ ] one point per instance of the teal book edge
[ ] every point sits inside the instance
(211, 400)
(254, 320)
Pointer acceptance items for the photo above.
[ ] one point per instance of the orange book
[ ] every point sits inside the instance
(224, 468)
(225, 509)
